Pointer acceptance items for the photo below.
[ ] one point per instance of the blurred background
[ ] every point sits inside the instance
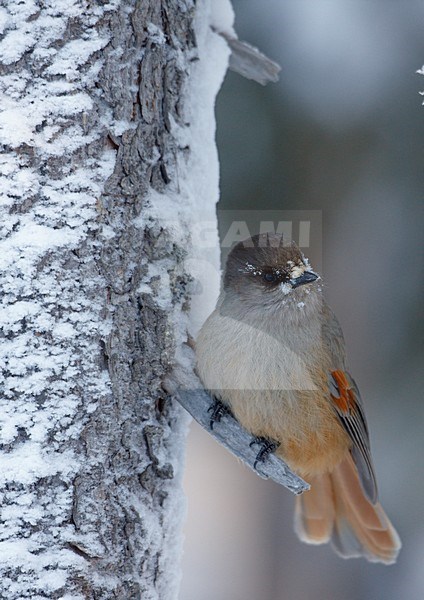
(342, 133)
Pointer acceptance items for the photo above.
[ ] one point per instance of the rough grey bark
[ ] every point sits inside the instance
(89, 490)
(139, 350)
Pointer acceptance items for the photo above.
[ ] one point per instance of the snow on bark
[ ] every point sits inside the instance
(108, 160)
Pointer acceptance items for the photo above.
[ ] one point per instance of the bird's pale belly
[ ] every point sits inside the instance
(273, 391)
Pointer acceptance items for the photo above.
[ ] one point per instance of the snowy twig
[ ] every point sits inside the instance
(249, 62)
(233, 436)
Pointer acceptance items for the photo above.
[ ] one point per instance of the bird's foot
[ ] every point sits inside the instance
(217, 409)
(267, 447)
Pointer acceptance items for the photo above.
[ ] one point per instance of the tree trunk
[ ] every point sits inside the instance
(107, 123)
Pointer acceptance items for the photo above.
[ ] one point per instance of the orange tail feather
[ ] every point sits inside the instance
(336, 509)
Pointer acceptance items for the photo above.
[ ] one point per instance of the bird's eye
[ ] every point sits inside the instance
(269, 277)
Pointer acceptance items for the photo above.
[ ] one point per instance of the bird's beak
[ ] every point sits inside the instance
(306, 277)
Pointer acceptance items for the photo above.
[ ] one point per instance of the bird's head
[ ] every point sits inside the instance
(261, 272)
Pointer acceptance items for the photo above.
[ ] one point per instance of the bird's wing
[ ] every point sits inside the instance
(349, 408)
(347, 402)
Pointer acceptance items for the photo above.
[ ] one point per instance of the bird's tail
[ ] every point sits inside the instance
(335, 509)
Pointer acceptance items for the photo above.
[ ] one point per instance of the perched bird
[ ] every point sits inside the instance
(272, 352)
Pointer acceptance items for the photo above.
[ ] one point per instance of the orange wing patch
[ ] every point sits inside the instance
(346, 401)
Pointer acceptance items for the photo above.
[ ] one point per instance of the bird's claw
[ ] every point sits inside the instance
(267, 447)
(218, 409)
